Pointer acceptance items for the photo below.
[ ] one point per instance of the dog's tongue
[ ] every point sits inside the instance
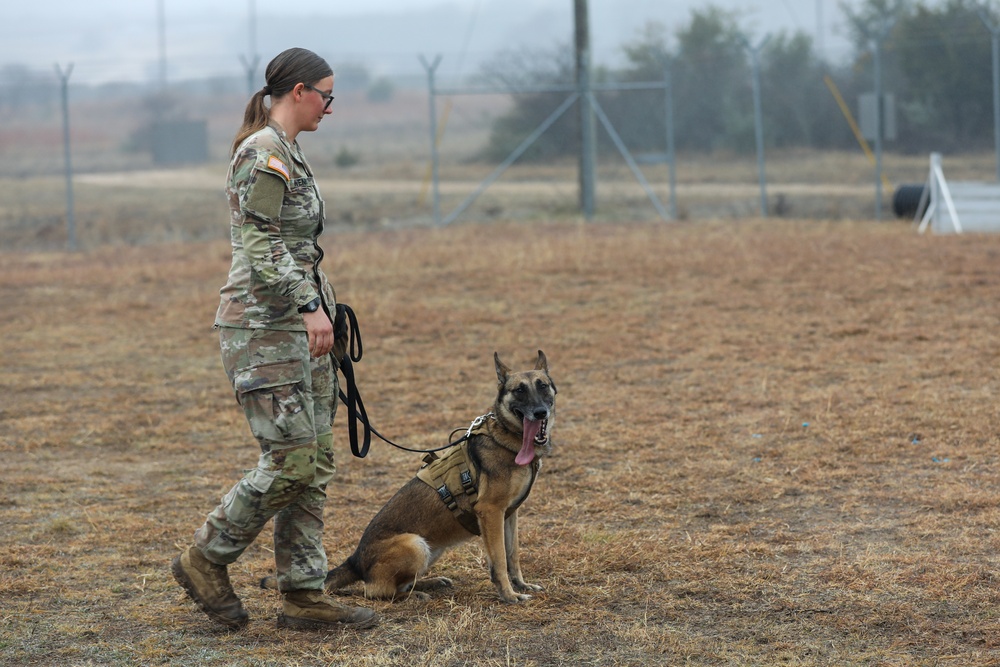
(527, 453)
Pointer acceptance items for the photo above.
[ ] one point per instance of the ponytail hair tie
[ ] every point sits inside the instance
(266, 90)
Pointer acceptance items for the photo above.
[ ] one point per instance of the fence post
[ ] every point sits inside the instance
(878, 38)
(758, 121)
(995, 40)
(70, 221)
(668, 90)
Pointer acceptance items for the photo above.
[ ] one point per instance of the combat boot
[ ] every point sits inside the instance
(208, 585)
(316, 610)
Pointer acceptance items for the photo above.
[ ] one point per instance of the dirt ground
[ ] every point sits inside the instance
(776, 444)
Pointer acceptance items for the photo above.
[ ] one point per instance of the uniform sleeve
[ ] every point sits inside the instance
(269, 258)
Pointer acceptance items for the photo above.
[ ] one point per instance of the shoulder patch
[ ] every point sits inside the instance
(279, 167)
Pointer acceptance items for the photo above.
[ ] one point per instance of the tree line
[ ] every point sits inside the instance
(936, 61)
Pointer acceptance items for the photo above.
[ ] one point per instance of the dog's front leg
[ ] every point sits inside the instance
(491, 524)
(513, 550)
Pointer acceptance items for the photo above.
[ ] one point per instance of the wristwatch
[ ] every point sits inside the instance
(310, 307)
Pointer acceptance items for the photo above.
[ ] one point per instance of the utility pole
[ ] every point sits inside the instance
(587, 127)
(161, 22)
(251, 61)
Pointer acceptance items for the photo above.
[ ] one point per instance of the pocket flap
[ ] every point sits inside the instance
(271, 374)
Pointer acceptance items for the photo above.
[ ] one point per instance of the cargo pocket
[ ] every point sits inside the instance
(274, 399)
(244, 503)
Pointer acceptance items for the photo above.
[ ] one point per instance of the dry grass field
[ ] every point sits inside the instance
(776, 445)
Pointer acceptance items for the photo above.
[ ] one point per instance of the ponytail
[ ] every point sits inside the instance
(255, 118)
(287, 69)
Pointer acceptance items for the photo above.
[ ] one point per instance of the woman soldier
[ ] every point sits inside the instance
(276, 335)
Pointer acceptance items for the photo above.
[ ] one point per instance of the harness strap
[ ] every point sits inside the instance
(451, 476)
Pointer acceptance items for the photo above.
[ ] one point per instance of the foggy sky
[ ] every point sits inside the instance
(113, 40)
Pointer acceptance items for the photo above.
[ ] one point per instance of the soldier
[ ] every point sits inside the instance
(276, 334)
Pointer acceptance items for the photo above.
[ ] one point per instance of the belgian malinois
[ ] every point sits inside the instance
(490, 481)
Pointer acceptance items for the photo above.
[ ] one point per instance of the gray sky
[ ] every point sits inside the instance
(109, 40)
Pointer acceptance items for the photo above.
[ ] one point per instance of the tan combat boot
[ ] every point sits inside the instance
(208, 585)
(317, 610)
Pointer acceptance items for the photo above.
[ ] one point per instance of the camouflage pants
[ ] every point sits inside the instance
(289, 400)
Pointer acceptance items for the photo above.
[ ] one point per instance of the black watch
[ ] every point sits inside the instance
(310, 307)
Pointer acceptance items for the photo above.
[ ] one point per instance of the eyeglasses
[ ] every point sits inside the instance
(325, 96)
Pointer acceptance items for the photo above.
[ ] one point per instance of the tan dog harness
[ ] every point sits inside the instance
(452, 474)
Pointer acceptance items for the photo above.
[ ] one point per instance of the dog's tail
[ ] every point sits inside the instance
(341, 576)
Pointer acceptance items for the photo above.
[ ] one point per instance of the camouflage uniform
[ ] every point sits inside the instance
(289, 398)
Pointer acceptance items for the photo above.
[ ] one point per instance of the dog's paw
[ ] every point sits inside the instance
(433, 584)
(514, 598)
(522, 587)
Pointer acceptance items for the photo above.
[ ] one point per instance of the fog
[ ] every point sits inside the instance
(119, 40)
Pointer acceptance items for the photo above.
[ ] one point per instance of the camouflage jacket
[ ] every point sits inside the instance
(276, 218)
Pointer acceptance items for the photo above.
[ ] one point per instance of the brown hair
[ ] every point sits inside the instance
(287, 69)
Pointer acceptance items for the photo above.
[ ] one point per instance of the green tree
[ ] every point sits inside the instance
(798, 108)
(711, 77)
(944, 57)
(937, 62)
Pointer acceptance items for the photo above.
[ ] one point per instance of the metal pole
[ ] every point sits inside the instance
(996, 98)
(587, 129)
(671, 148)
(431, 67)
(878, 129)
(758, 117)
(70, 221)
(251, 61)
(995, 32)
(878, 39)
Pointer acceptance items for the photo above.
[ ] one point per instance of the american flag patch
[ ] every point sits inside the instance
(277, 165)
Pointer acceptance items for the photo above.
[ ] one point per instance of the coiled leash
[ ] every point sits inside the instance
(345, 325)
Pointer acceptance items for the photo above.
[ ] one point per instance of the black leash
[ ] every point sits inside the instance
(346, 324)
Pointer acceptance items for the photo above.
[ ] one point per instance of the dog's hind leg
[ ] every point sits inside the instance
(341, 576)
(400, 563)
(432, 584)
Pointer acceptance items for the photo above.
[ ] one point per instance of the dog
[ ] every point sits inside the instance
(491, 472)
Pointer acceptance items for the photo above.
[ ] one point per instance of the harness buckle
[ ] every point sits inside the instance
(446, 496)
(466, 479)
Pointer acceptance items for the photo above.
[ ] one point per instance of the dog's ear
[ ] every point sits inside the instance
(502, 370)
(542, 364)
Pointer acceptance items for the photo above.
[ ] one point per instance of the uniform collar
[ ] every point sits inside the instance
(293, 146)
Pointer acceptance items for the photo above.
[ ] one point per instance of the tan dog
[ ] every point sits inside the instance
(473, 489)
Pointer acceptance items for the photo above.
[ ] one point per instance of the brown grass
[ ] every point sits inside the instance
(777, 444)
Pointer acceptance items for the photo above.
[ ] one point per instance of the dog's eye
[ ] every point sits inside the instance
(519, 389)
(541, 385)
